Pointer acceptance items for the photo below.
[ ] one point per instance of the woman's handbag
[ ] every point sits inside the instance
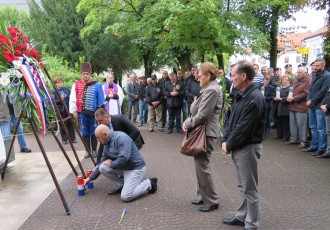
(194, 142)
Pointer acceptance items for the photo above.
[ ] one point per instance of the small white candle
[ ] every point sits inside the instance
(290, 92)
(278, 92)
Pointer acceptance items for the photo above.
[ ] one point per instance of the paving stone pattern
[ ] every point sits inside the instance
(294, 193)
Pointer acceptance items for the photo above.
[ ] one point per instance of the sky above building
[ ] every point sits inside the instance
(305, 20)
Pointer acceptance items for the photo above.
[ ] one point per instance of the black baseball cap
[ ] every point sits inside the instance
(287, 65)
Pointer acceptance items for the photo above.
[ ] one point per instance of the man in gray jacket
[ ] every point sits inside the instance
(122, 164)
(133, 98)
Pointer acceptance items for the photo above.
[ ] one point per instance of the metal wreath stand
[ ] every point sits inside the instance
(42, 149)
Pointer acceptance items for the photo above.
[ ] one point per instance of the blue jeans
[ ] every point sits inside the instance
(143, 108)
(20, 131)
(5, 130)
(327, 121)
(318, 128)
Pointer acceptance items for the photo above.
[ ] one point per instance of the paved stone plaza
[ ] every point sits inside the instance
(294, 192)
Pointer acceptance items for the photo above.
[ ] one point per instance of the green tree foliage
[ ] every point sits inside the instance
(183, 29)
(56, 26)
(14, 17)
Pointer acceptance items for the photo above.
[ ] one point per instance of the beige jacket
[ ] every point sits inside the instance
(206, 109)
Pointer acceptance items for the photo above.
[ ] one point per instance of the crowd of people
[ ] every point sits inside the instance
(296, 105)
(292, 103)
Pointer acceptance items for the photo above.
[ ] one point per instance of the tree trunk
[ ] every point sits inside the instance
(273, 37)
(184, 60)
(147, 64)
(118, 76)
(220, 60)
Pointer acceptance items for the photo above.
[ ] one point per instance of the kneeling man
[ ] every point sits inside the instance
(122, 164)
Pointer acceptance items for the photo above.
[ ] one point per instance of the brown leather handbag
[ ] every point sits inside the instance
(194, 142)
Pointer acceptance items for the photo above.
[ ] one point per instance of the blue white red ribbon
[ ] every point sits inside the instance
(36, 85)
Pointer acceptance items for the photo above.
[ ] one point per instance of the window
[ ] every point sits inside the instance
(287, 43)
(298, 59)
(286, 60)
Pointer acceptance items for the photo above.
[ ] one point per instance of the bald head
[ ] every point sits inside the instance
(102, 133)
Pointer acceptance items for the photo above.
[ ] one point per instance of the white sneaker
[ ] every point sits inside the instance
(86, 155)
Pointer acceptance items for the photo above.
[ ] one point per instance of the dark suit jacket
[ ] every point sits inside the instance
(122, 123)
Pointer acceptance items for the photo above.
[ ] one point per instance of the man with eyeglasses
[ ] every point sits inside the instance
(118, 123)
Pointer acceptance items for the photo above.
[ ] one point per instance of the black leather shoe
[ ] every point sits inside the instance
(325, 155)
(310, 150)
(232, 221)
(169, 131)
(114, 191)
(179, 131)
(208, 208)
(25, 150)
(153, 181)
(197, 202)
(319, 153)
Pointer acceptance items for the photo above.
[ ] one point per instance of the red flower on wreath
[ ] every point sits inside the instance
(3, 40)
(9, 56)
(17, 44)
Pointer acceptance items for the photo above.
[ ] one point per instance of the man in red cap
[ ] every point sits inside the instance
(85, 98)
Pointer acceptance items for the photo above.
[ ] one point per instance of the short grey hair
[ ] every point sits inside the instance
(303, 69)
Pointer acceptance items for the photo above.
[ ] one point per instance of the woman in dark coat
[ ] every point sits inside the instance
(281, 109)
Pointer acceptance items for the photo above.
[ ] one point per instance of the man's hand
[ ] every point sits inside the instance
(87, 180)
(224, 148)
(155, 103)
(184, 128)
(107, 162)
(324, 108)
(290, 99)
(309, 103)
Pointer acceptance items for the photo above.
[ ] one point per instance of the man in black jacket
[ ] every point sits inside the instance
(243, 137)
(317, 91)
(326, 108)
(192, 88)
(154, 97)
(118, 123)
(174, 92)
(162, 83)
